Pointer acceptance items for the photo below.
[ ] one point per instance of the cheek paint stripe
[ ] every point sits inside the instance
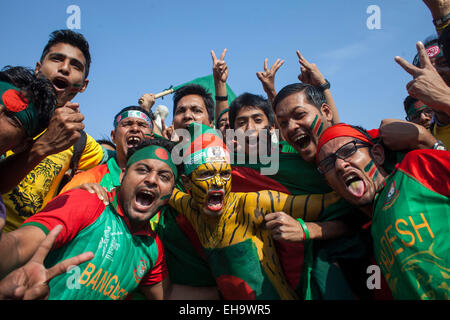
(319, 131)
(313, 124)
(317, 126)
(375, 176)
(368, 167)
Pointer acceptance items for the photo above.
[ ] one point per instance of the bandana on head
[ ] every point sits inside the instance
(205, 146)
(131, 114)
(16, 103)
(416, 107)
(433, 49)
(222, 113)
(154, 152)
(344, 130)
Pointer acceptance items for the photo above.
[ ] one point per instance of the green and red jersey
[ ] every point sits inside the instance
(411, 224)
(122, 261)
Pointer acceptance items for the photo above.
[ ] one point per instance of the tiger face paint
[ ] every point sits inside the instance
(211, 186)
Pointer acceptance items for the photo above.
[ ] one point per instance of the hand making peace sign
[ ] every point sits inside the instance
(427, 85)
(267, 77)
(30, 282)
(220, 68)
(310, 74)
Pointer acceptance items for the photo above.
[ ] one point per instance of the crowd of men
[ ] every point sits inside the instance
(186, 212)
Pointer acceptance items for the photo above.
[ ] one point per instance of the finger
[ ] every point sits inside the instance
(302, 59)
(408, 67)
(423, 55)
(222, 56)
(163, 125)
(277, 65)
(213, 55)
(46, 245)
(72, 105)
(260, 76)
(266, 68)
(63, 266)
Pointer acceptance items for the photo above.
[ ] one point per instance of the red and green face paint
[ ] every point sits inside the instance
(371, 170)
(317, 126)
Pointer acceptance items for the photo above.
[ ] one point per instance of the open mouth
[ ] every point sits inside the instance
(302, 141)
(144, 199)
(60, 83)
(215, 200)
(133, 141)
(355, 185)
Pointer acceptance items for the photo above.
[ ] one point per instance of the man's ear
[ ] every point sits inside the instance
(186, 182)
(378, 154)
(37, 68)
(327, 113)
(84, 86)
(122, 174)
(113, 133)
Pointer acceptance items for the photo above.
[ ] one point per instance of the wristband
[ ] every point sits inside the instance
(305, 229)
(324, 86)
(221, 98)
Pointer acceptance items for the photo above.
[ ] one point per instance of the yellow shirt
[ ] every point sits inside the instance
(41, 184)
(443, 134)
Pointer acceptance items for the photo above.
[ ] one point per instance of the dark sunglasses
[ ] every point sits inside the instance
(343, 153)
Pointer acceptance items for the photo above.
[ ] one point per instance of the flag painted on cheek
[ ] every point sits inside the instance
(317, 126)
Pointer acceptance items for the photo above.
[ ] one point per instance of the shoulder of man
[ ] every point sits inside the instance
(429, 167)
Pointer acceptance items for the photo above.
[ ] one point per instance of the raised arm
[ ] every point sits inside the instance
(220, 74)
(310, 74)
(267, 78)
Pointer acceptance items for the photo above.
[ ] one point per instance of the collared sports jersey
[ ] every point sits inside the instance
(411, 224)
(41, 184)
(122, 260)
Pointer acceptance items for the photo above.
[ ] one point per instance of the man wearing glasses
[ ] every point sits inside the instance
(409, 208)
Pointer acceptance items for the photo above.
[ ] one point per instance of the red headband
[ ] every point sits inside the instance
(344, 130)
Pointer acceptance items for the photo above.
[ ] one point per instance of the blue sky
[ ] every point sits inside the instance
(141, 46)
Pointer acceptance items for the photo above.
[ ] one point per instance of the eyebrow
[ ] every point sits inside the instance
(62, 55)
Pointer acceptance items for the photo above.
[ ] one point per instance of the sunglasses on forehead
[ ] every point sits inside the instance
(342, 153)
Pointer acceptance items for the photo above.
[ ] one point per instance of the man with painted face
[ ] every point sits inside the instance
(409, 208)
(26, 105)
(113, 233)
(230, 226)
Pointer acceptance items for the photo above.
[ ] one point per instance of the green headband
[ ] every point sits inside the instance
(222, 113)
(154, 152)
(413, 108)
(14, 101)
(131, 114)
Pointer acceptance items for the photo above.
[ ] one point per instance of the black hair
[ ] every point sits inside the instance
(409, 101)
(313, 95)
(37, 89)
(106, 141)
(161, 142)
(198, 90)
(74, 39)
(149, 114)
(250, 100)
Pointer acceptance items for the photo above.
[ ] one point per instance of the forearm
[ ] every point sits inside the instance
(9, 254)
(327, 230)
(221, 91)
(14, 168)
(332, 105)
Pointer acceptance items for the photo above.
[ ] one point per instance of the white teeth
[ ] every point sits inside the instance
(133, 140)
